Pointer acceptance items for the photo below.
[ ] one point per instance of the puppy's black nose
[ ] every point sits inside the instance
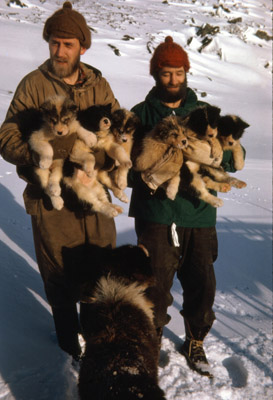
(230, 143)
(106, 121)
(59, 133)
(184, 142)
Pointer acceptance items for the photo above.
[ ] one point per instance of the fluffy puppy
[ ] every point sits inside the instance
(59, 119)
(230, 131)
(201, 170)
(161, 157)
(202, 131)
(98, 120)
(124, 124)
(121, 356)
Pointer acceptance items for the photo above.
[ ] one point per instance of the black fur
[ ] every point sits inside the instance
(231, 125)
(85, 264)
(202, 117)
(28, 121)
(90, 117)
(121, 357)
(120, 362)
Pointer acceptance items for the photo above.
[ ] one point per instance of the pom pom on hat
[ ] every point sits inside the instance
(68, 23)
(169, 54)
(67, 4)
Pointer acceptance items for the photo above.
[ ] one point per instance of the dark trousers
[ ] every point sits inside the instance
(192, 261)
(53, 230)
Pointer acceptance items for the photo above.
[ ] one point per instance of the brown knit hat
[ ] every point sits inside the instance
(169, 54)
(68, 23)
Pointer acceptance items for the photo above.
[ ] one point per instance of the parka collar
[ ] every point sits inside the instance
(189, 103)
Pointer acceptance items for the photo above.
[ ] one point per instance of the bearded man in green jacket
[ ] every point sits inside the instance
(69, 37)
(179, 234)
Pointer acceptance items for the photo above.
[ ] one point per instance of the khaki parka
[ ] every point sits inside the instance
(31, 92)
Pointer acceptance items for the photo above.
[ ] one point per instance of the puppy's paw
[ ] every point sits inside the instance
(91, 140)
(45, 162)
(224, 187)
(54, 189)
(237, 183)
(171, 193)
(217, 203)
(111, 210)
(119, 194)
(126, 164)
(57, 202)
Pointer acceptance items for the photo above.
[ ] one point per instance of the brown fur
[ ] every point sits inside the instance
(93, 192)
(161, 157)
(124, 124)
(202, 165)
(116, 179)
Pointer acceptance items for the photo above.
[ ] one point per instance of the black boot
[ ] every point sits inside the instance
(193, 350)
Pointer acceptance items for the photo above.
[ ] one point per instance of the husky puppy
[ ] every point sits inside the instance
(97, 119)
(201, 170)
(202, 131)
(124, 124)
(230, 131)
(161, 157)
(59, 115)
(121, 356)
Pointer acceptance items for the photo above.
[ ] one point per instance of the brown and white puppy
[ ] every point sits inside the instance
(203, 146)
(161, 155)
(59, 119)
(121, 356)
(123, 127)
(201, 170)
(97, 119)
(230, 131)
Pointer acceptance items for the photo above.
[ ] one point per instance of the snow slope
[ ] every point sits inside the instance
(232, 71)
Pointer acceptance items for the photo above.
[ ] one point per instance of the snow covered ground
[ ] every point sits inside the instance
(230, 67)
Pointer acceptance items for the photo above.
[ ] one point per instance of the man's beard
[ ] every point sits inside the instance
(66, 70)
(166, 96)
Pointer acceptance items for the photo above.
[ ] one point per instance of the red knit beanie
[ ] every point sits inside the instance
(169, 54)
(68, 23)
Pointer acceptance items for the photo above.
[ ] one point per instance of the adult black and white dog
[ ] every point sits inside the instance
(122, 350)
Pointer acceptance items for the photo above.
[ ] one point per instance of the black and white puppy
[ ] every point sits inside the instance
(230, 131)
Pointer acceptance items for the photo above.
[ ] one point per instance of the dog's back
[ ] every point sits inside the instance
(122, 349)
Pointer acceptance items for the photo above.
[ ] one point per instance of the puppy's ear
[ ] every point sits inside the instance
(242, 124)
(47, 106)
(108, 107)
(70, 105)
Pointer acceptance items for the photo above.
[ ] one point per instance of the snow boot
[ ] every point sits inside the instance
(193, 349)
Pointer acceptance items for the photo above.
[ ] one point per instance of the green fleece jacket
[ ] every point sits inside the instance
(184, 211)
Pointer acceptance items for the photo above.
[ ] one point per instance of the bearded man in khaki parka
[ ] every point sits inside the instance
(69, 37)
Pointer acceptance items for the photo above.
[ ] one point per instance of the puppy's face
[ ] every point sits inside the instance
(172, 132)
(124, 124)
(96, 118)
(203, 122)
(58, 113)
(230, 130)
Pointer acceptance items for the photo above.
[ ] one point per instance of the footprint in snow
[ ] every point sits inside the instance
(237, 372)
